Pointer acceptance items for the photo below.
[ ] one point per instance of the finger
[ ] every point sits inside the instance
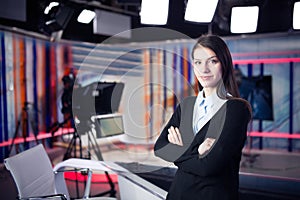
(174, 135)
(201, 149)
(178, 134)
(206, 145)
(210, 141)
(171, 137)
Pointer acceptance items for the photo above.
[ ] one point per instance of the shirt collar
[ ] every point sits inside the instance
(210, 100)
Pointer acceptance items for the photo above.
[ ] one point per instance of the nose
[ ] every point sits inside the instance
(204, 68)
(201, 70)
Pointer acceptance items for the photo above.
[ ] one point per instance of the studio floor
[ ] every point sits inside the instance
(264, 174)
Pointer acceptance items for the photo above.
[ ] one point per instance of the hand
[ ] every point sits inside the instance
(174, 136)
(206, 145)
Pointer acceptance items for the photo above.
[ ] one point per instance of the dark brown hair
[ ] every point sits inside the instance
(228, 83)
(217, 45)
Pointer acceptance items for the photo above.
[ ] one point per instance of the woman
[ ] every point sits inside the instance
(205, 135)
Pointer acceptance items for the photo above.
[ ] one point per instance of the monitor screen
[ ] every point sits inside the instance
(258, 91)
(109, 125)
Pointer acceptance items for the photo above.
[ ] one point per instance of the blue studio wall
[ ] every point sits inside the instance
(277, 56)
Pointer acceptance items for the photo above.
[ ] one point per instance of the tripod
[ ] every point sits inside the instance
(72, 147)
(89, 129)
(72, 144)
(25, 120)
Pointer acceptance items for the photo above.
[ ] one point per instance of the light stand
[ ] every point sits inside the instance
(24, 120)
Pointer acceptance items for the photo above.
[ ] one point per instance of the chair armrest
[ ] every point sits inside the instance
(62, 196)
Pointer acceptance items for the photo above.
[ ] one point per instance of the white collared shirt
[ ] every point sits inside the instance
(204, 109)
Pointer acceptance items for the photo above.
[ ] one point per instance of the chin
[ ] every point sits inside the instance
(208, 85)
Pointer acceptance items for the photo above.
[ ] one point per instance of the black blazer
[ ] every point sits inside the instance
(215, 175)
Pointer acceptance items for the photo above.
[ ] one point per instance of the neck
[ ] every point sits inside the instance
(209, 91)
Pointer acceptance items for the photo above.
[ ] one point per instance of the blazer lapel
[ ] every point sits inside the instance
(210, 115)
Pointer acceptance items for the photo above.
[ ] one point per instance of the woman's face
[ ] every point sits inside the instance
(207, 68)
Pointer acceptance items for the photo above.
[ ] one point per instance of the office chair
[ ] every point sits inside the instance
(35, 178)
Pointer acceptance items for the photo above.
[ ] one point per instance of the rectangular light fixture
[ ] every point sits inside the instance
(112, 24)
(86, 16)
(154, 12)
(200, 10)
(296, 15)
(244, 19)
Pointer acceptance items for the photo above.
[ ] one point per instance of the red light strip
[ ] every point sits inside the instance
(95, 177)
(274, 135)
(248, 54)
(266, 61)
(40, 136)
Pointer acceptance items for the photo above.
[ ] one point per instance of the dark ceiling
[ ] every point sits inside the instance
(275, 16)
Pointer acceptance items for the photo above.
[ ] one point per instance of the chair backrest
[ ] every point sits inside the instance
(32, 172)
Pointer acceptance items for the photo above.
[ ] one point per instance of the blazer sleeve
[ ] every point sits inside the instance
(162, 147)
(226, 149)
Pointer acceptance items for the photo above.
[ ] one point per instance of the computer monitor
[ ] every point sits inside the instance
(109, 125)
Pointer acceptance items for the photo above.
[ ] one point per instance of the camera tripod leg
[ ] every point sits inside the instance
(72, 147)
(14, 138)
(92, 144)
(23, 120)
(35, 131)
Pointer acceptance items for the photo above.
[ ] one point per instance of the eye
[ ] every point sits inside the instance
(197, 62)
(214, 61)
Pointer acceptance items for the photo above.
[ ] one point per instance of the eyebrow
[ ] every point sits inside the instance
(207, 58)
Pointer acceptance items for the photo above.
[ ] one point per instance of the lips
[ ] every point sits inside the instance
(206, 77)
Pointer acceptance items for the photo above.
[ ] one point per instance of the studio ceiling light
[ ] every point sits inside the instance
(244, 19)
(296, 15)
(200, 10)
(154, 12)
(50, 6)
(86, 16)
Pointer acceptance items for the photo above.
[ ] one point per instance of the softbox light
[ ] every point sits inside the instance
(296, 15)
(154, 12)
(244, 19)
(200, 10)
